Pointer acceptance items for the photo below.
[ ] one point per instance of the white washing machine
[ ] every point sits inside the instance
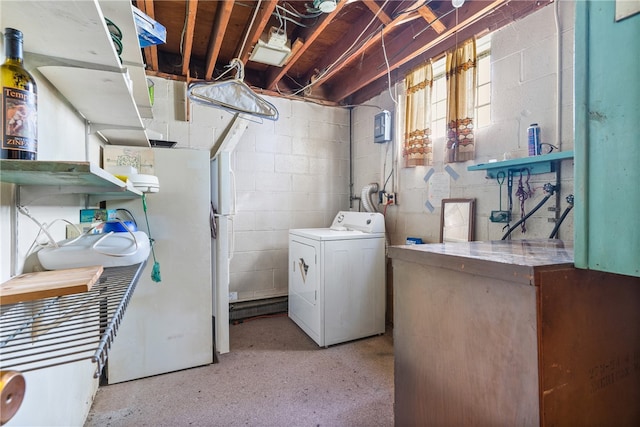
(337, 278)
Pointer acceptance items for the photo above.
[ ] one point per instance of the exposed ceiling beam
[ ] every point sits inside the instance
(501, 16)
(223, 14)
(337, 63)
(431, 18)
(262, 19)
(373, 65)
(190, 24)
(150, 52)
(381, 15)
(308, 36)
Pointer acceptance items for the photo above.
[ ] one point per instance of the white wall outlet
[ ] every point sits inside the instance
(389, 199)
(233, 296)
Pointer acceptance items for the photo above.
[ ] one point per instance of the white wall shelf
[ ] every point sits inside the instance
(76, 54)
(46, 178)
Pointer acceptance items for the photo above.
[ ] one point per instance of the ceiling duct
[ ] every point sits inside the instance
(275, 50)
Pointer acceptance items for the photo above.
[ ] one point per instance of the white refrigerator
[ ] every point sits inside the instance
(168, 324)
(221, 252)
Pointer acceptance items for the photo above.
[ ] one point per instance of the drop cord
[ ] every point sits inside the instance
(155, 272)
(386, 60)
(538, 206)
(253, 18)
(43, 228)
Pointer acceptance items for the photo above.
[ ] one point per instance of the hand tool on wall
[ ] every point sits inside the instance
(500, 215)
(523, 194)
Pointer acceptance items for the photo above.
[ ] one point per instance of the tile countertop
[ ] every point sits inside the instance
(514, 260)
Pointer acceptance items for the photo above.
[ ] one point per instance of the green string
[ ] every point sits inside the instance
(155, 272)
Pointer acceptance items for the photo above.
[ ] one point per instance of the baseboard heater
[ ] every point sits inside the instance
(246, 309)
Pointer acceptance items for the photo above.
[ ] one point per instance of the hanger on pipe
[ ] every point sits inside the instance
(232, 95)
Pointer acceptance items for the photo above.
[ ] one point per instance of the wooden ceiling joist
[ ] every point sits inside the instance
(150, 52)
(333, 64)
(381, 15)
(431, 18)
(308, 37)
(190, 25)
(339, 52)
(223, 14)
(373, 66)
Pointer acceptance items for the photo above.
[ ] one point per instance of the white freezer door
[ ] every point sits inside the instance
(167, 326)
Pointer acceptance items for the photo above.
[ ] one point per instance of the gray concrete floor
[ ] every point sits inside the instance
(274, 375)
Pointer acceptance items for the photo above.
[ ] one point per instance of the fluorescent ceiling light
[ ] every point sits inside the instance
(274, 51)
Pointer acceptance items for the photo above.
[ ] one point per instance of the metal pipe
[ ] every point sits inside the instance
(562, 217)
(352, 197)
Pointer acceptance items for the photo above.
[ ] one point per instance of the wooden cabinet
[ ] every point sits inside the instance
(510, 333)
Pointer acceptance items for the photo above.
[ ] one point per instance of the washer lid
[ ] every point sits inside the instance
(333, 234)
(368, 222)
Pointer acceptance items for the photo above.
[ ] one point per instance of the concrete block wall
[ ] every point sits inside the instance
(289, 173)
(524, 78)
(292, 173)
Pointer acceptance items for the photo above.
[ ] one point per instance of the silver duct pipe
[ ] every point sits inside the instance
(365, 197)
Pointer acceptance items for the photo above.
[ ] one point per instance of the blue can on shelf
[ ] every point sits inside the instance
(533, 135)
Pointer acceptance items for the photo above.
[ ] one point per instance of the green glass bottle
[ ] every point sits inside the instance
(19, 102)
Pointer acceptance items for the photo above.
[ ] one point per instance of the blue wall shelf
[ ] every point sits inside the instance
(544, 163)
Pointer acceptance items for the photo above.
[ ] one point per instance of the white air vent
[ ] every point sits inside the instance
(273, 51)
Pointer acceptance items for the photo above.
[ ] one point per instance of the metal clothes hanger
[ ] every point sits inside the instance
(232, 95)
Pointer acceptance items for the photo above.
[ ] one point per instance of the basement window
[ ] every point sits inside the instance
(483, 89)
(483, 81)
(439, 99)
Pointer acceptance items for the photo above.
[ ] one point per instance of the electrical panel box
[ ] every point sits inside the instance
(382, 127)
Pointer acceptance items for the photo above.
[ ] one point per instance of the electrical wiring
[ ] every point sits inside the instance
(43, 228)
(439, 18)
(297, 14)
(386, 60)
(184, 30)
(294, 80)
(384, 168)
(346, 52)
(403, 12)
(284, 19)
(253, 18)
(282, 23)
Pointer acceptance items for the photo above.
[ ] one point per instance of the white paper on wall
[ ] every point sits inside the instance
(439, 188)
